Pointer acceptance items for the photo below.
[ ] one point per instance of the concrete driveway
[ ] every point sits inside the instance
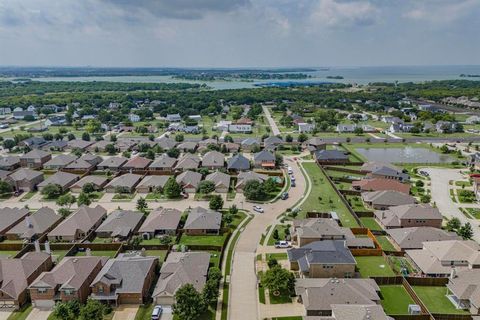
(37, 314)
(167, 313)
(440, 188)
(126, 312)
(5, 313)
(243, 301)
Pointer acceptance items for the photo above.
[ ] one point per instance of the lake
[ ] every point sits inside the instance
(404, 155)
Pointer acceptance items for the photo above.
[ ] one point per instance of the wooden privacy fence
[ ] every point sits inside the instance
(343, 169)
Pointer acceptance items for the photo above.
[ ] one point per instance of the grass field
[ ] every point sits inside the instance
(323, 197)
(474, 212)
(281, 234)
(372, 266)
(203, 240)
(97, 253)
(371, 223)
(395, 299)
(385, 243)
(436, 301)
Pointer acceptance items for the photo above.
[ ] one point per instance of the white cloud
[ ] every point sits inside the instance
(441, 11)
(333, 14)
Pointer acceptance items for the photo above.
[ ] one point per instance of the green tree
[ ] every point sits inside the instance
(254, 190)
(288, 138)
(453, 224)
(206, 187)
(67, 310)
(93, 126)
(189, 304)
(110, 149)
(233, 210)
(5, 187)
(64, 212)
(466, 231)
(279, 280)
(172, 189)
(270, 185)
(179, 137)
(85, 136)
(92, 310)
(275, 234)
(83, 199)
(52, 191)
(173, 153)
(66, 200)
(88, 187)
(358, 131)
(302, 137)
(9, 144)
(216, 202)
(142, 204)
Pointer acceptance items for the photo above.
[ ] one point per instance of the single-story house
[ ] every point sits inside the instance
(79, 144)
(381, 200)
(323, 259)
(166, 143)
(9, 163)
(187, 146)
(119, 225)
(243, 177)
(410, 215)
(202, 221)
(238, 163)
(331, 156)
(79, 165)
(305, 231)
(136, 164)
(213, 160)
(152, 184)
(163, 163)
(60, 161)
(189, 181)
(221, 181)
(9, 217)
(179, 269)
(163, 221)
(125, 280)
(126, 182)
(79, 224)
(380, 184)
(64, 179)
(188, 161)
(264, 159)
(35, 225)
(112, 164)
(464, 290)
(250, 144)
(98, 183)
(384, 171)
(414, 237)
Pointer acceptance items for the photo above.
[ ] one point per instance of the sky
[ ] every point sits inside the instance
(239, 33)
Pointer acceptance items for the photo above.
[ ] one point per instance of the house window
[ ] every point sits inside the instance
(41, 290)
(100, 289)
(68, 292)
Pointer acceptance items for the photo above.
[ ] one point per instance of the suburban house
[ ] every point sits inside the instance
(9, 217)
(323, 259)
(179, 269)
(163, 163)
(119, 225)
(125, 280)
(272, 141)
(136, 164)
(264, 159)
(410, 215)
(69, 280)
(414, 237)
(78, 225)
(64, 179)
(221, 181)
(250, 144)
(79, 144)
(213, 160)
(34, 142)
(21, 114)
(163, 221)
(100, 146)
(355, 312)
(25, 179)
(464, 290)
(59, 162)
(113, 163)
(384, 171)
(319, 295)
(56, 145)
(380, 184)
(202, 221)
(17, 274)
(239, 128)
(188, 161)
(166, 143)
(382, 200)
(315, 143)
(446, 126)
(35, 225)
(125, 183)
(98, 183)
(152, 184)
(35, 159)
(305, 231)
(187, 146)
(80, 166)
(331, 156)
(304, 127)
(9, 163)
(175, 117)
(238, 163)
(93, 159)
(441, 258)
(189, 180)
(243, 177)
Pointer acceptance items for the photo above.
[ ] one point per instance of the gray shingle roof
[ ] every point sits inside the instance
(25, 174)
(83, 219)
(238, 162)
(153, 181)
(164, 161)
(36, 224)
(61, 160)
(9, 216)
(61, 178)
(213, 159)
(161, 219)
(113, 162)
(128, 180)
(202, 218)
(189, 178)
(219, 178)
(413, 238)
(120, 223)
(330, 155)
(264, 155)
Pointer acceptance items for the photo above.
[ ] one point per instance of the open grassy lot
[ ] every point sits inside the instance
(281, 234)
(372, 266)
(356, 203)
(203, 240)
(436, 301)
(385, 243)
(323, 197)
(395, 299)
(371, 223)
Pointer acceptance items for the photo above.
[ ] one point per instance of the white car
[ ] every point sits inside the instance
(258, 209)
(157, 312)
(283, 244)
(290, 170)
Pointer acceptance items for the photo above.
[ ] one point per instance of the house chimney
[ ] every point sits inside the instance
(453, 273)
(37, 246)
(47, 247)
(383, 214)
(88, 252)
(143, 252)
(28, 222)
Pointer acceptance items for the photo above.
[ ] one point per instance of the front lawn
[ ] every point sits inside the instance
(371, 223)
(373, 266)
(395, 299)
(21, 314)
(282, 298)
(466, 196)
(436, 301)
(203, 240)
(474, 212)
(28, 196)
(277, 256)
(385, 243)
(323, 197)
(123, 197)
(281, 234)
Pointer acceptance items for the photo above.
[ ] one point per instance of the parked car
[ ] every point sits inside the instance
(293, 183)
(157, 312)
(184, 195)
(284, 196)
(283, 244)
(258, 209)
(292, 177)
(290, 170)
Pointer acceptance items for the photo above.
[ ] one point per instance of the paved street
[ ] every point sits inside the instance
(271, 122)
(440, 178)
(243, 301)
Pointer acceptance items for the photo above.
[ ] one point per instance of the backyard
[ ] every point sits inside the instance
(436, 301)
(373, 266)
(395, 299)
